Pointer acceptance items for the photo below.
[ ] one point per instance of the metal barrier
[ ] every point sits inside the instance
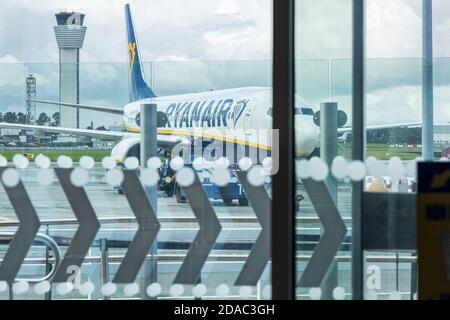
(105, 259)
(50, 243)
(237, 219)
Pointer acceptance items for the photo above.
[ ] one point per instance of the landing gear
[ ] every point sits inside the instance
(227, 201)
(243, 202)
(180, 197)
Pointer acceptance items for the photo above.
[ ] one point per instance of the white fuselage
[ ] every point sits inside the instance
(214, 114)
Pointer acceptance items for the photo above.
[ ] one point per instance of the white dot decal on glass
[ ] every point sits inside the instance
(87, 288)
(114, 177)
(318, 169)
(79, 177)
(109, 289)
(42, 287)
(222, 290)
(338, 293)
(256, 176)
(395, 296)
(245, 164)
(45, 177)
(376, 168)
(131, 163)
(302, 169)
(176, 290)
(108, 163)
(199, 290)
(208, 164)
(371, 295)
(369, 162)
(221, 177)
(245, 292)
(395, 168)
(267, 163)
(357, 170)
(42, 161)
(185, 177)
(177, 163)
(3, 161)
(64, 288)
(199, 163)
(315, 293)
(3, 286)
(154, 163)
(267, 292)
(87, 162)
(415, 296)
(149, 177)
(131, 289)
(10, 178)
(64, 162)
(20, 287)
(339, 167)
(20, 161)
(154, 290)
(222, 163)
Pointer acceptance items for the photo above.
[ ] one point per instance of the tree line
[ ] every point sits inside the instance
(21, 118)
(42, 120)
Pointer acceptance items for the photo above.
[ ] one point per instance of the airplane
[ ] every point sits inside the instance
(185, 118)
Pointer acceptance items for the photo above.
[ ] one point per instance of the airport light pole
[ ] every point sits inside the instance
(149, 149)
(427, 80)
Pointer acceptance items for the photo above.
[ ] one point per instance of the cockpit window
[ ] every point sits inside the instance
(303, 111)
(307, 111)
(297, 112)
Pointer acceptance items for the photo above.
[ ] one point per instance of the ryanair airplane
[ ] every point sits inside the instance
(236, 116)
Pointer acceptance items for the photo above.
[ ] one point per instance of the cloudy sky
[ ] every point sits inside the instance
(198, 45)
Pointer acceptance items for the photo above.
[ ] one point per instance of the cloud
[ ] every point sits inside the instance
(12, 71)
(165, 29)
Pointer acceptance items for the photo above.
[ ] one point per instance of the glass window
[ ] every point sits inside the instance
(173, 219)
(324, 190)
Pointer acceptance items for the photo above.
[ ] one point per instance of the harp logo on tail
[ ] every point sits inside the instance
(132, 50)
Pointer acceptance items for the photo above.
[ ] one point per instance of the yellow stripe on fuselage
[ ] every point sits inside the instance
(188, 133)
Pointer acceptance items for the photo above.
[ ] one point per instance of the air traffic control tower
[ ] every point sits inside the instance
(70, 34)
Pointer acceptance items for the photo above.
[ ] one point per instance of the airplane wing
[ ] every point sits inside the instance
(384, 126)
(164, 141)
(72, 131)
(111, 110)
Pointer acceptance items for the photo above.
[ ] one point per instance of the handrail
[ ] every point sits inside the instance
(232, 258)
(51, 244)
(111, 220)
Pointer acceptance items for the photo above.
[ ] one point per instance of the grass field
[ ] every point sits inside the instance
(53, 154)
(386, 152)
(380, 151)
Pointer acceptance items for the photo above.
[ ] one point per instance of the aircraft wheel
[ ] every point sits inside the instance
(227, 201)
(180, 198)
(243, 202)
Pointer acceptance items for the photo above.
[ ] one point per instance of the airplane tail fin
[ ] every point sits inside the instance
(138, 87)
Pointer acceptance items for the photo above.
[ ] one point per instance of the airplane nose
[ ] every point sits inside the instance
(306, 137)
